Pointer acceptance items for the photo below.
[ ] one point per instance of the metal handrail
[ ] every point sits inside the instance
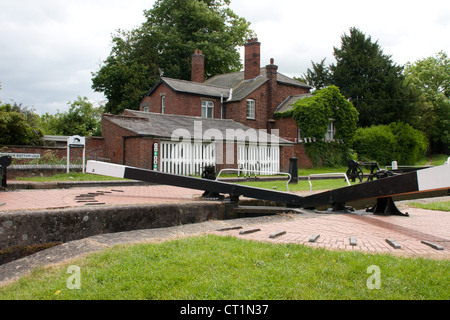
(274, 173)
(326, 174)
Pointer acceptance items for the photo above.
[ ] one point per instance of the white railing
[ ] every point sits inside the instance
(273, 173)
(326, 175)
(186, 158)
(264, 160)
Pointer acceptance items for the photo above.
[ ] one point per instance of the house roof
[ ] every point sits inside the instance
(193, 88)
(242, 88)
(164, 126)
(231, 86)
(288, 104)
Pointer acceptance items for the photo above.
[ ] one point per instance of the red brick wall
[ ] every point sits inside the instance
(238, 110)
(287, 129)
(139, 152)
(94, 151)
(113, 146)
(178, 103)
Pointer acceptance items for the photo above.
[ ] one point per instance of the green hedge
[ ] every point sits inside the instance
(386, 143)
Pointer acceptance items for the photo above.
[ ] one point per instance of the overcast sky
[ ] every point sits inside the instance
(49, 48)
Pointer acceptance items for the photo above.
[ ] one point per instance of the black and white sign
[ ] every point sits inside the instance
(76, 142)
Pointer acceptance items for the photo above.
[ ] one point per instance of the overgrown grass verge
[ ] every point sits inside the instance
(215, 267)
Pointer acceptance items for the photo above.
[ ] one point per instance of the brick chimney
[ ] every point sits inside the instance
(252, 59)
(272, 99)
(198, 66)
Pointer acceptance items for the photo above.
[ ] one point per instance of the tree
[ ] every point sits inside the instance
(372, 81)
(319, 77)
(19, 125)
(164, 43)
(81, 119)
(431, 78)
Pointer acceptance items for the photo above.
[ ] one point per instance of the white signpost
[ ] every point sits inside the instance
(76, 142)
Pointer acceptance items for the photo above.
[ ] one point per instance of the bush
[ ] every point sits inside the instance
(313, 114)
(386, 143)
(411, 144)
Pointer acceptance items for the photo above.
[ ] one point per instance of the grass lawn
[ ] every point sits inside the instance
(72, 176)
(215, 267)
(301, 186)
(440, 205)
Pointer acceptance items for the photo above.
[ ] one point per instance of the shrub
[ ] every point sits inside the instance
(386, 143)
(411, 145)
(313, 115)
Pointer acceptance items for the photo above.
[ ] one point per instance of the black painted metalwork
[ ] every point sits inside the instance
(5, 162)
(382, 190)
(234, 190)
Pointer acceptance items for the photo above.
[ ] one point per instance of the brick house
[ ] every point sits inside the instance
(240, 101)
(250, 97)
(185, 144)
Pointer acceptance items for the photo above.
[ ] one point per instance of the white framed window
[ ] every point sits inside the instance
(299, 134)
(163, 104)
(207, 109)
(331, 131)
(146, 109)
(250, 109)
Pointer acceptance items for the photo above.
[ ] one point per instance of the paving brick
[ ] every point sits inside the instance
(335, 231)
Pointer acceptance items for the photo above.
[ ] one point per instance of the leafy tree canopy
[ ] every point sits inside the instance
(19, 125)
(373, 82)
(81, 119)
(431, 78)
(164, 43)
(369, 78)
(319, 77)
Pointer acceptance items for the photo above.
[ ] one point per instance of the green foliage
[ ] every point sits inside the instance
(439, 205)
(431, 78)
(411, 144)
(375, 143)
(319, 77)
(386, 143)
(313, 115)
(342, 111)
(164, 44)
(19, 126)
(370, 79)
(228, 268)
(81, 119)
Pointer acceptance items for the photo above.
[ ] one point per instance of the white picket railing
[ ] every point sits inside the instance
(186, 158)
(262, 160)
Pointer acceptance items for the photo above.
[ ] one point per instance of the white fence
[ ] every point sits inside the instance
(186, 158)
(262, 160)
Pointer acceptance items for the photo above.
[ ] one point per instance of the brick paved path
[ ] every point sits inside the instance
(368, 232)
(335, 230)
(76, 197)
